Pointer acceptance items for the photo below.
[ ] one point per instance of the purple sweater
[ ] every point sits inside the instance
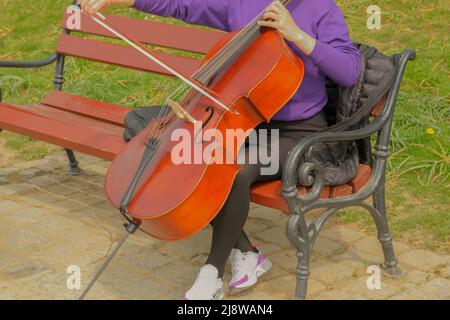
(334, 55)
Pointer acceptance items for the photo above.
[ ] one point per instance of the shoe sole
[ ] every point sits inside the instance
(260, 270)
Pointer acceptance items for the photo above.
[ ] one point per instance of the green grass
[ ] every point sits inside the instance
(419, 168)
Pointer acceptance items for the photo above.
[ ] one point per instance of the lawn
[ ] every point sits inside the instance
(419, 168)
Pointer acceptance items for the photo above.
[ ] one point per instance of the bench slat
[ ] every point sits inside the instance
(91, 108)
(268, 194)
(154, 33)
(122, 56)
(61, 115)
(83, 138)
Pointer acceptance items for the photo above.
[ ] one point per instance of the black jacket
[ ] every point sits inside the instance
(349, 108)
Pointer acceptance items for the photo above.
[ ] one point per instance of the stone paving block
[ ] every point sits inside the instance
(372, 245)
(42, 181)
(24, 269)
(146, 261)
(285, 260)
(331, 273)
(424, 260)
(265, 213)
(20, 239)
(275, 236)
(350, 259)
(143, 239)
(326, 247)
(32, 215)
(416, 276)
(445, 272)
(70, 205)
(15, 188)
(358, 287)
(7, 171)
(254, 226)
(8, 206)
(336, 294)
(187, 248)
(342, 234)
(45, 197)
(284, 287)
(274, 273)
(178, 272)
(62, 190)
(267, 248)
(89, 199)
(436, 289)
(280, 287)
(3, 181)
(251, 294)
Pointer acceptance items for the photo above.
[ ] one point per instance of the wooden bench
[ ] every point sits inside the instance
(85, 125)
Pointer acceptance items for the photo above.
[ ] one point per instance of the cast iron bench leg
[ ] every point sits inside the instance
(298, 235)
(384, 234)
(73, 163)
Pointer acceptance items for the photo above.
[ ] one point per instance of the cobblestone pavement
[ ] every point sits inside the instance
(50, 220)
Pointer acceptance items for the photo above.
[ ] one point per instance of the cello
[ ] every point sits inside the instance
(244, 80)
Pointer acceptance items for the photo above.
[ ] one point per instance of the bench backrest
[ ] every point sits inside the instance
(186, 39)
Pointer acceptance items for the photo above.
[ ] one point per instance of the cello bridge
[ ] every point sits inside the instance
(180, 112)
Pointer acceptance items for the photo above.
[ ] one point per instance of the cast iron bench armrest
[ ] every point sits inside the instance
(312, 174)
(29, 64)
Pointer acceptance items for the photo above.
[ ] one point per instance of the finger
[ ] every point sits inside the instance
(95, 8)
(92, 4)
(272, 8)
(270, 24)
(85, 5)
(279, 5)
(281, 8)
(271, 15)
(82, 4)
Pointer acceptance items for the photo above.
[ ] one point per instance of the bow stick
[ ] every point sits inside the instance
(114, 29)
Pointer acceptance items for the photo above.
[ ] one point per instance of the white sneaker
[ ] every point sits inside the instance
(246, 268)
(207, 286)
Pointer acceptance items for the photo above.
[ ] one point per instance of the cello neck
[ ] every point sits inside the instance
(239, 42)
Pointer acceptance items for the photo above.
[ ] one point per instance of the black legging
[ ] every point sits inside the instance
(228, 232)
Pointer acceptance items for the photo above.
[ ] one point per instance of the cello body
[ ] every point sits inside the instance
(173, 201)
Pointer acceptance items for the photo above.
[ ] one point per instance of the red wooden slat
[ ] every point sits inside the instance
(340, 191)
(159, 34)
(122, 56)
(61, 115)
(91, 108)
(379, 107)
(268, 194)
(361, 179)
(83, 138)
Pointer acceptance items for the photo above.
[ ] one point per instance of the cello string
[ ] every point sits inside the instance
(243, 36)
(230, 49)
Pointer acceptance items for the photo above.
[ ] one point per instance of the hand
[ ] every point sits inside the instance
(91, 7)
(278, 17)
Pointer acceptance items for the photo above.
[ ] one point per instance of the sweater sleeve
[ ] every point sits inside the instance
(211, 13)
(334, 53)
